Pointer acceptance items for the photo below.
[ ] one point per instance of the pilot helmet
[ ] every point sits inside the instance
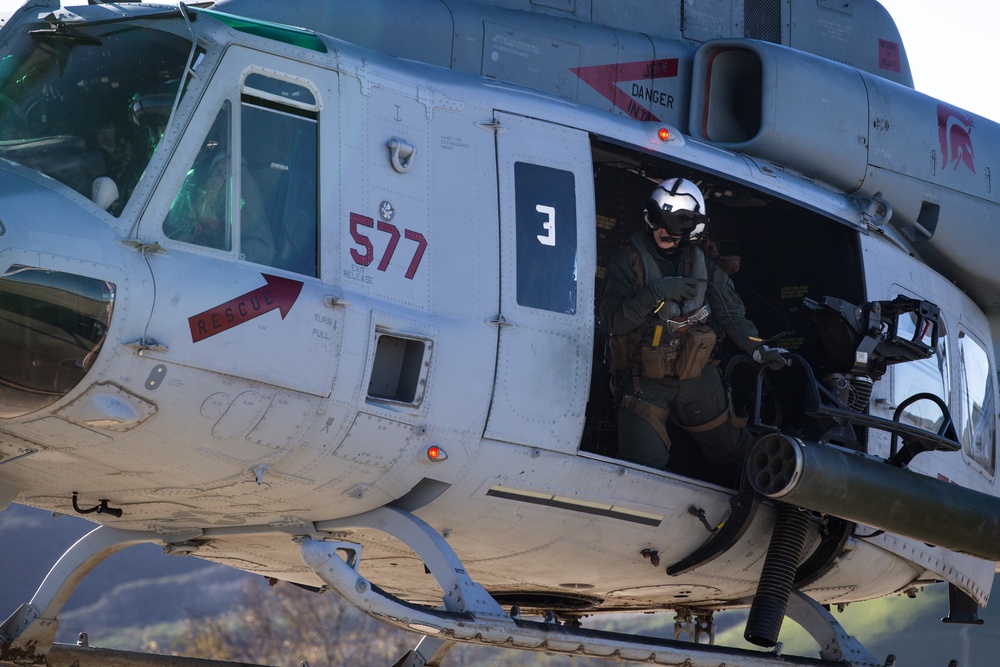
(151, 109)
(676, 205)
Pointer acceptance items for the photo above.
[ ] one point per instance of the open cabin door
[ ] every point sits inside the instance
(547, 263)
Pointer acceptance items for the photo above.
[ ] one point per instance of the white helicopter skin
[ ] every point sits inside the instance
(405, 365)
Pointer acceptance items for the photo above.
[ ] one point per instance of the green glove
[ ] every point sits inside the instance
(770, 357)
(674, 289)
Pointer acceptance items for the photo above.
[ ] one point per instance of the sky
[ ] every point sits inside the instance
(952, 47)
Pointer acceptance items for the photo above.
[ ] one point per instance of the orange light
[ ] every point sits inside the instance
(435, 453)
(664, 134)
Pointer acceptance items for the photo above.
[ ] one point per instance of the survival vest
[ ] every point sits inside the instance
(675, 340)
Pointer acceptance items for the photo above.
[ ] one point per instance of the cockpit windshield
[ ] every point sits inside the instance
(87, 104)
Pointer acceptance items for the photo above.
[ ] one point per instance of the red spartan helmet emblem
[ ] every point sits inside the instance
(955, 133)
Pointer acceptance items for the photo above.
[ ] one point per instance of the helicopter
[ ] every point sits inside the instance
(321, 303)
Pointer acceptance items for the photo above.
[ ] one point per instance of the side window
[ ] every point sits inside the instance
(923, 376)
(978, 406)
(202, 210)
(273, 200)
(279, 193)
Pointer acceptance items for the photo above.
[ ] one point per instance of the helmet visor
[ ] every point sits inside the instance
(679, 223)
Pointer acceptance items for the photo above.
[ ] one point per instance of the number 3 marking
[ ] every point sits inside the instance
(549, 238)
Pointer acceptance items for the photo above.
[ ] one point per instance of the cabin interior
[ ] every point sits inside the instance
(788, 254)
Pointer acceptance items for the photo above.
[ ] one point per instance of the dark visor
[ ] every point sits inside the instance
(678, 224)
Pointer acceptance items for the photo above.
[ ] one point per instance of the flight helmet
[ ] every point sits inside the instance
(676, 205)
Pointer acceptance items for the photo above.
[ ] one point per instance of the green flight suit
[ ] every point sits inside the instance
(700, 404)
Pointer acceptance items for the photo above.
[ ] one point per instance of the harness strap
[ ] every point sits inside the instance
(653, 415)
(708, 426)
(728, 415)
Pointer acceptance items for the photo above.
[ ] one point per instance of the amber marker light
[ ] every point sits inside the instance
(664, 134)
(435, 453)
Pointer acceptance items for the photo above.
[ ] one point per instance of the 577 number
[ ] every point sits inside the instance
(366, 254)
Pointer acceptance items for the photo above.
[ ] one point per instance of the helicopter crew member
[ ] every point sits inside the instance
(667, 298)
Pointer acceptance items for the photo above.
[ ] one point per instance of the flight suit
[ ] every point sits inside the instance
(698, 404)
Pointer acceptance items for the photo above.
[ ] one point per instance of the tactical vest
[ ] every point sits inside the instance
(694, 267)
(657, 350)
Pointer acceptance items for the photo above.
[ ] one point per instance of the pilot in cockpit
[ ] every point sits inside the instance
(202, 212)
(668, 300)
(126, 144)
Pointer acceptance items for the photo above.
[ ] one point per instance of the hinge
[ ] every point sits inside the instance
(153, 248)
(335, 302)
(491, 125)
(500, 322)
(142, 344)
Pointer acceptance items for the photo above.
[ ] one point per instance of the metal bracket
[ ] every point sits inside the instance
(743, 508)
(491, 126)
(500, 322)
(153, 248)
(335, 302)
(143, 344)
(462, 595)
(962, 608)
(401, 155)
(878, 211)
(428, 653)
(27, 635)
(834, 642)
(696, 627)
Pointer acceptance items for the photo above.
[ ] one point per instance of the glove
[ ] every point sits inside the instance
(771, 357)
(674, 289)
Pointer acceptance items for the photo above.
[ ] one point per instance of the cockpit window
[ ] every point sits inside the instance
(262, 199)
(52, 326)
(87, 105)
(280, 144)
(202, 210)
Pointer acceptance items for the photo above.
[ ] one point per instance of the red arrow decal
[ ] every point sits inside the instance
(278, 293)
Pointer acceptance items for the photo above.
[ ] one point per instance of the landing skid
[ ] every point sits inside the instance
(470, 615)
(27, 636)
(69, 655)
(468, 612)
